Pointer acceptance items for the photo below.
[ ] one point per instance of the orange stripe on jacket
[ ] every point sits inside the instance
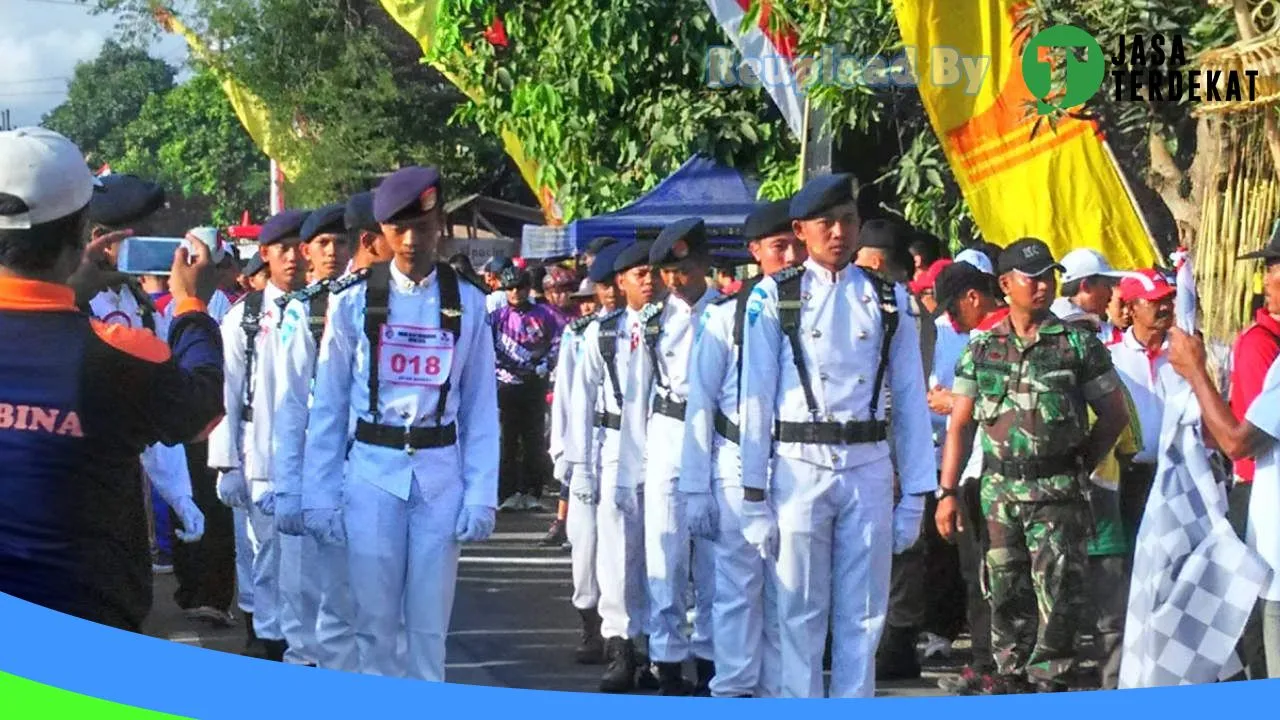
(139, 343)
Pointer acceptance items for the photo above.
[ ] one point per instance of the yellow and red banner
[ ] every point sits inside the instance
(1061, 185)
(418, 18)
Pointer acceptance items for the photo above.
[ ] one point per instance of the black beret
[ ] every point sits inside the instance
(286, 224)
(358, 215)
(631, 256)
(772, 218)
(498, 264)
(407, 192)
(124, 199)
(602, 264)
(256, 265)
(327, 220)
(1028, 256)
(677, 240)
(600, 243)
(823, 193)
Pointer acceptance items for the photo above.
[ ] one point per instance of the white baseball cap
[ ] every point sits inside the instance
(1084, 262)
(975, 258)
(46, 173)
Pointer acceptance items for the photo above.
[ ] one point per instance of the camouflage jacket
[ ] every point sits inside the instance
(1031, 397)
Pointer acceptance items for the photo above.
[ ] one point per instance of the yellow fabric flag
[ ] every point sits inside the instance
(1062, 187)
(418, 18)
(250, 108)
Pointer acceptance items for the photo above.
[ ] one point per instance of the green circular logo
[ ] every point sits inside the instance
(1082, 79)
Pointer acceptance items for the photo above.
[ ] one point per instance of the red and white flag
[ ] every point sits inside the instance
(770, 54)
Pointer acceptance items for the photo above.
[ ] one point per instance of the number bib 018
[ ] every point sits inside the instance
(409, 355)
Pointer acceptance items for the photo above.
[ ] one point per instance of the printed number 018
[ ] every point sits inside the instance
(399, 363)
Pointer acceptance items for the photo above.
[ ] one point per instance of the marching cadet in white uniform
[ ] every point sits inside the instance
(817, 477)
(606, 452)
(669, 329)
(581, 520)
(409, 350)
(744, 615)
(240, 446)
(323, 564)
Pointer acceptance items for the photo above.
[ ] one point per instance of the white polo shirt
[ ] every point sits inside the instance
(1139, 369)
(1264, 504)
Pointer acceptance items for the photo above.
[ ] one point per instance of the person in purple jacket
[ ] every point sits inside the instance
(526, 336)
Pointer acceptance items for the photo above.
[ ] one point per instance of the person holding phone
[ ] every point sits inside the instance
(85, 398)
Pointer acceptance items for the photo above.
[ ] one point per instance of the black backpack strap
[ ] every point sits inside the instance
(250, 323)
(146, 308)
(652, 319)
(450, 320)
(789, 306)
(740, 318)
(889, 317)
(377, 301)
(317, 311)
(609, 351)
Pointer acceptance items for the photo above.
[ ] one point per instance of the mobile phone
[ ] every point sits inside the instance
(147, 255)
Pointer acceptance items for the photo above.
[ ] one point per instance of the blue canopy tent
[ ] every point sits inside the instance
(700, 188)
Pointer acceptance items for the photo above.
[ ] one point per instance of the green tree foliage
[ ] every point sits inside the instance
(105, 95)
(191, 141)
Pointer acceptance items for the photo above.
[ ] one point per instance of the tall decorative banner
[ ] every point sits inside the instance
(249, 108)
(1061, 185)
(418, 18)
(770, 49)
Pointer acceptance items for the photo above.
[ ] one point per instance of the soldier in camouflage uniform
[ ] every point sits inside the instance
(1029, 381)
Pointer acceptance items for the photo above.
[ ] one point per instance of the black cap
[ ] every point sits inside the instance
(600, 243)
(771, 218)
(823, 193)
(677, 241)
(1271, 251)
(327, 220)
(631, 256)
(358, 215)
(255, 265)
(958, 278)
(885, 234)
(498, 264)
(1028, 256)
(601, 269)
(282, 225)
(514, 278)
(407, 193)
(124, 199)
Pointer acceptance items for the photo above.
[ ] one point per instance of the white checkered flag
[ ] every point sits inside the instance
(1194, 581)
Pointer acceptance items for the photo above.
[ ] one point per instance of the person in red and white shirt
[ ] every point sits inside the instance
(1139, 356)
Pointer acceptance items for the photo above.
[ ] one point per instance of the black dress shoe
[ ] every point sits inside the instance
(671, 680)
(620, 675)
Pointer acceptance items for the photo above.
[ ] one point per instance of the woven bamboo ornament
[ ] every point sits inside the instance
(1261, 54)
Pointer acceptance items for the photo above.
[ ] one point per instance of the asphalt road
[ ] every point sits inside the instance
(513, 624)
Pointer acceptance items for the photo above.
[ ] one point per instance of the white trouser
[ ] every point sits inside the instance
(244, 560)
(335, 636)
(580, 526)
(403, 563)
(299, 597)
(745, 615)
(266, 574)
(619, 563)
(667, 548)
(835, 551)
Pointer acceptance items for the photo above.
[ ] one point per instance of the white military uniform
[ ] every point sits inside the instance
(401, 508)
(580, 524)
(834, 502)
(164, 465)
(666, 537)
(602, 462)
(244, 444)
(315, 595)
(744, 613)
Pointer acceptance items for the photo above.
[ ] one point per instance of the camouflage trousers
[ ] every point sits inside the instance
(1036, 565)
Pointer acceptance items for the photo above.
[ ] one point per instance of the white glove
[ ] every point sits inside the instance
(582, 487)
(325, 526)
(288, 512)
(560, 470)
(475, 523)
(760, 527)
(191, 518)
(907, 518)
(625, 500)
(701, 515)
(267, 503)
(233, 489)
